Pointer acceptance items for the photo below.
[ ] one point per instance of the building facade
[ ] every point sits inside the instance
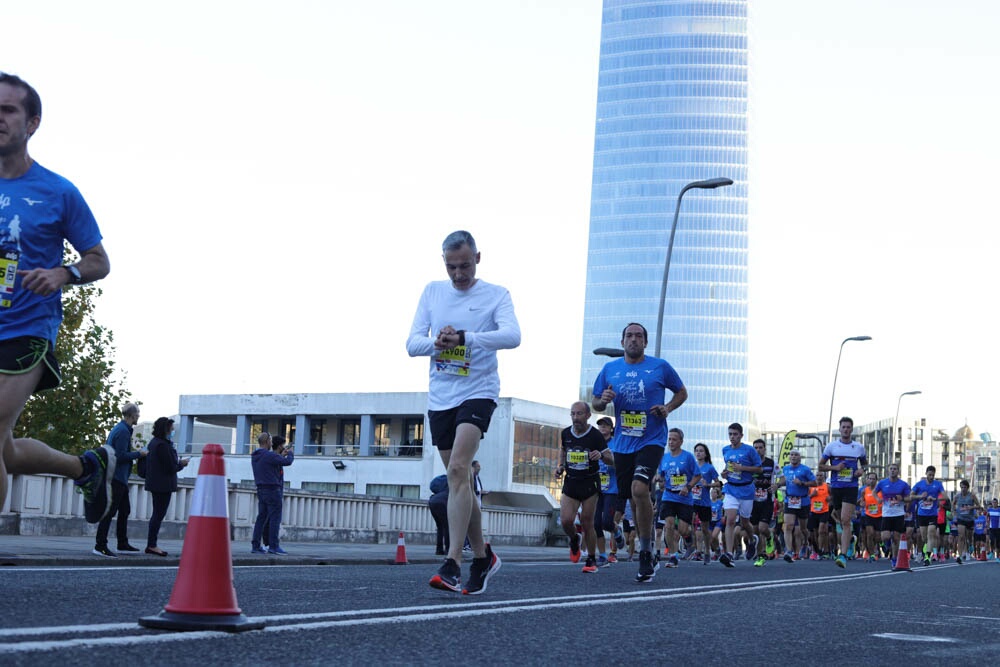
(374, 443)
(672, 109)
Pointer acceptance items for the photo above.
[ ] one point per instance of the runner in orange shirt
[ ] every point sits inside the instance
(819, 516)
(871, 520)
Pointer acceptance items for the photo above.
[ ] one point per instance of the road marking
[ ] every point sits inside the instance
(915, 638)
(405, 614)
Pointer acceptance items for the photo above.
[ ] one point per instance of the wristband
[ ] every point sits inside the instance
(461, 336)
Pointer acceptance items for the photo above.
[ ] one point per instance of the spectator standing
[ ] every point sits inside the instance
(120, 442)
(267, 473)
(162, 466)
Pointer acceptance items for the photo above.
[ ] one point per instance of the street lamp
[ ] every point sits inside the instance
(610, 352)
(710, 184)
(829, 425)
(896, 419)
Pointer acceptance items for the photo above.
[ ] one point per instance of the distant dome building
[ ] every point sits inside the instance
(963, 434)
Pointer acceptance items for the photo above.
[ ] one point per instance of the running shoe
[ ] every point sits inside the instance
(612, 558)
(934, 558)
(95, 483)
(646, 570)
(959, 560)
(850, 550)
(672, 562)
(927, 561)
(619, 538)
(769, 549)
(276, 551)
(841, 561)
(590, 567)
(788, 558)
(602, 561)
(104, 551)
(726, 559)
(656, 560)
(871, 559)
(705, 559)
(448, 577)
(258, 550)
(482, 569)
(127, 547)
(814, 556)
(752, 547)
(574, 549)
(761, 560)
(689, 553)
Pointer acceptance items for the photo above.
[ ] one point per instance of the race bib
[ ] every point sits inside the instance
(633, 423)
(731, 468)
(8, 273)
(872, 509)
(455, 361)
(793, 502)
(845, 474)
(605, 481)
(817, 506)
(927, 504)
(677, 482)
(696, 492)
(760, 494)
(577, 459)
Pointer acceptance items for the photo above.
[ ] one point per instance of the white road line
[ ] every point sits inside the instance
(915, 638)
(433, 612)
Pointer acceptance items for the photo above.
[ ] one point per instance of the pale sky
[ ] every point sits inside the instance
(273, 183)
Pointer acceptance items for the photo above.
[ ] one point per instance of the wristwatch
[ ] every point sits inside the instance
(74, 274)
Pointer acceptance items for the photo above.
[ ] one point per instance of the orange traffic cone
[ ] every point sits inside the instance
(902, 556)
(204, 597)
(982, 552)
(401, 550)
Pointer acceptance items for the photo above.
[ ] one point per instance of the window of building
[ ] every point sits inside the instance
(331, 487)
(257, 426)
(288, 430)
(536, 454)
(393, 490)
(350, 437)
(382, 441)
(317, 436)
(413, 441)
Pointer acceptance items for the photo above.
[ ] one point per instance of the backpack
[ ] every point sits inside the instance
(140, 466)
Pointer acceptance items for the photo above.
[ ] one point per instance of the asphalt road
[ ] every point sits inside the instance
(533, 613)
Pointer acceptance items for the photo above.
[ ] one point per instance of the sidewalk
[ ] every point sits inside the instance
(54, 551)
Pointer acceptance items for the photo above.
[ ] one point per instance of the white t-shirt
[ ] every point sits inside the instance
(486, 313)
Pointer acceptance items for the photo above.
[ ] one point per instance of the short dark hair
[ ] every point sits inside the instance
(931, 469)
(162, 426)
(737, 426)
(645, 334)
(678, 432)
(761, 441)
(277, 441)
(846, 419)
(964, 482)
(605, 421)
(32, 102)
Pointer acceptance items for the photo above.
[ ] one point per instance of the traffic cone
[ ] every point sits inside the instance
(982, 552)
(204, 597)
(902, 556)
(401, 550)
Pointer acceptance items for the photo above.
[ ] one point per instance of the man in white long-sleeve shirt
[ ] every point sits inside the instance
(460, 324)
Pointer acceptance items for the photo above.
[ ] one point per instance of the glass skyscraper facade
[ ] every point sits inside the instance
(672, 109)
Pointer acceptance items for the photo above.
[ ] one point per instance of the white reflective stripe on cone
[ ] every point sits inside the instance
(210, 498)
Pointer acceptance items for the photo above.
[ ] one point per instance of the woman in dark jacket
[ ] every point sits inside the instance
(162, 465)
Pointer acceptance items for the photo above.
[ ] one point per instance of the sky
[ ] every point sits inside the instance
(273, 184)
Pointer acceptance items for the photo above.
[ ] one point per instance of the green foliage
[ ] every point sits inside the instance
(78, 414)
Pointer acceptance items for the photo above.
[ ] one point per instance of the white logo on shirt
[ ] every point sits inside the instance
(31, 202)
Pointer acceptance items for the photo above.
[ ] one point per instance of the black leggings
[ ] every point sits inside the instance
(161, 501)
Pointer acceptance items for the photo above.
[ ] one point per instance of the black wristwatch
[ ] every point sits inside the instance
(74, 274)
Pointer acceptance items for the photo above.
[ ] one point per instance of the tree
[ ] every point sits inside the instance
(77, 414)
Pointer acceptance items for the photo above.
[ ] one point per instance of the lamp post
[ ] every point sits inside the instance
(709, 184)
(896, 419)
(829, 425)
(610, 352)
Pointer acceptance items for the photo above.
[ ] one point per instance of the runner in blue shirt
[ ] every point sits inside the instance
(703, 497)
(927, 492)
(741, 461)
(797, 478)
(993, 511)
(894, 492)
(679, 474)
(637, 386)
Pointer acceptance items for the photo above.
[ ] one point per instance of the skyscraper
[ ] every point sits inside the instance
(671, 109)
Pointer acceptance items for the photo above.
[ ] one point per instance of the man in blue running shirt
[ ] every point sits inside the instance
(741, 463)
(39, 212)
(637, 386)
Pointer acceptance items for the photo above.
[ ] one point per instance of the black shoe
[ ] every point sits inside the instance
(752, 548)
(480, 572)
(726, 560)
(448, 577)
(104, 551)
(126, 547)
(95, 484)
(646, 570)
